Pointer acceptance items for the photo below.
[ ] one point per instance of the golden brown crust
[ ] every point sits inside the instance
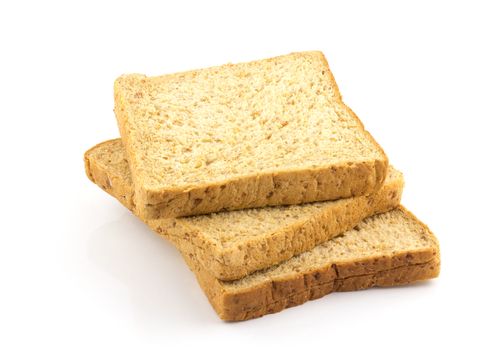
(109, 182)
(381, 165)
(293, 187)
(122, 122)
(400, 276)
(274, 296)
(272, 291)
(233, 263)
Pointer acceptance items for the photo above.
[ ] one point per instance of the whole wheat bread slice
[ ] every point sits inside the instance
(233, 244)
(248, 135)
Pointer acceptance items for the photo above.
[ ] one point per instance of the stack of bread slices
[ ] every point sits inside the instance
(265, 181)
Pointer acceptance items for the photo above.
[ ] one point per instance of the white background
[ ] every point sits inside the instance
(79, 271)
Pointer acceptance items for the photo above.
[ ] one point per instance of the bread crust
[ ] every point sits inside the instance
(341, 180)
(276, 296)
(288, 188)
(230, 263)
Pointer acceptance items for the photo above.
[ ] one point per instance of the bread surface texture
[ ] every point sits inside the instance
(262, 133)
(234, 244)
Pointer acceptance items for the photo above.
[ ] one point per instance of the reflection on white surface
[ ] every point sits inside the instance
(160, 284)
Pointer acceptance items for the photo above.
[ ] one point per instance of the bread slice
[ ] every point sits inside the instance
(233, 244)
(248, 135)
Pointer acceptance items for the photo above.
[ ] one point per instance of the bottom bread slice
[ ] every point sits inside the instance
(385, 250)
(230, 310)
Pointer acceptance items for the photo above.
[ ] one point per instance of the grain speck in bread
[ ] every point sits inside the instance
(248, 135)
(233, 244)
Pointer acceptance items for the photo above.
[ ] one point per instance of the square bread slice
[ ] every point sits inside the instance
(262, 133)
(233, 244)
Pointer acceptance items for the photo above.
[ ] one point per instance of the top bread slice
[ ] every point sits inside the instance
(248, 135)
(233, 244)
